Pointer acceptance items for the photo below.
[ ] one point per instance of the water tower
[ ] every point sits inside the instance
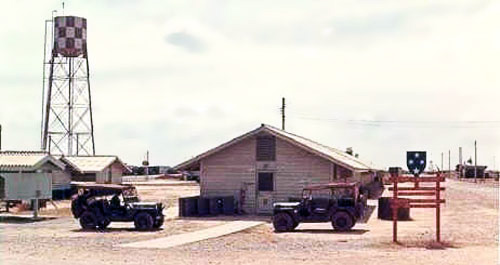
(67, 126)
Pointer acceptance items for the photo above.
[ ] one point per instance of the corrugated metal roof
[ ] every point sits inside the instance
(91, 164)
(26, 160)
(329, 153)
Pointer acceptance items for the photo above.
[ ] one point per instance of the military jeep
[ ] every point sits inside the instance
(94, 210)
(338, 203)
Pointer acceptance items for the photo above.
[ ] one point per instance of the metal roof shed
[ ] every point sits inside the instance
(26, 175)
(101, 169)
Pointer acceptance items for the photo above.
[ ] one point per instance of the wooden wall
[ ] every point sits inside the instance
(103, 176)
(235, 168)
(226, 173)
(24, 186)
(364, 177)
(116, 173)
(61, 180)
(297, 168)
(90, 177)
(112, 174)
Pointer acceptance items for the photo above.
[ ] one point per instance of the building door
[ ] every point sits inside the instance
(265, 192)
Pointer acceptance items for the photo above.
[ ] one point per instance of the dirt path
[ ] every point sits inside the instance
(196, 236)
(470, 231)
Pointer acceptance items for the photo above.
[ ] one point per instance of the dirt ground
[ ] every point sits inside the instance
(469, 232)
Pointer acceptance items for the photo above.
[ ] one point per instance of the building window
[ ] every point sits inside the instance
(266, 181)
(266, 148)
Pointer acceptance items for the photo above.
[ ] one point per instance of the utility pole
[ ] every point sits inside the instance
(449, 163)
(460, 165)
(0, 137)
(283, 113)
(475, 161)
(145, 163)
(442, 159)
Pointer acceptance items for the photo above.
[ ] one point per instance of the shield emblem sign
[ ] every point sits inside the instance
(416, 161)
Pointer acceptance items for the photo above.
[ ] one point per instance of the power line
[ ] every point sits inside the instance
(396, 121)
(405, 123)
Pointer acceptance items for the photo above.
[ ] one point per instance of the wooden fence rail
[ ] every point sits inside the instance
(416, 190)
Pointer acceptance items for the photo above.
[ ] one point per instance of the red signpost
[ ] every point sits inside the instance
(416, 190)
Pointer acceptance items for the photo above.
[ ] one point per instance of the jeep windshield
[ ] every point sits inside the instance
(130, 195)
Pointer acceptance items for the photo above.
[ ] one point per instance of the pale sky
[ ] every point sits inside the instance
(180, 77)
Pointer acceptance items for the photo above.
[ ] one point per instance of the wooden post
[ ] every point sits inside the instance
(398, 199)
(36, 204)
(395, 208)
(35, 208)
(460, 163)
(449, 163)
(438, 210)
(475, 161)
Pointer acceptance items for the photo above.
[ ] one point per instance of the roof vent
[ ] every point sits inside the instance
(349, 150)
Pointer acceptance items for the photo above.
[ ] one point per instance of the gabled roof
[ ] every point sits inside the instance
(26, 160)
(92, 164)
(326, 152)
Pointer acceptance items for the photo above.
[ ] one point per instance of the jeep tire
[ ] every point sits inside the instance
(143, 221)
(88, 220)
(104, 223)
(283, 222)
(342, 221)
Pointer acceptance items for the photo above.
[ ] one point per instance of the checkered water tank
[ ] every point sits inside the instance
(70, 36)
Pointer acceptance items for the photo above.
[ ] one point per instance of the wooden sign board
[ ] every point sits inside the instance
(398, 202)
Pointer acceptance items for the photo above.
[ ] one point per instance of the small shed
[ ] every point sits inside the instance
(267, 165)
(469, 171)
(98, 169)
(26, 175)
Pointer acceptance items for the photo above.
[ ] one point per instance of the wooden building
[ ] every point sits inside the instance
(26, 175)
(98, 169)
(268, 165)
(61, 183)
